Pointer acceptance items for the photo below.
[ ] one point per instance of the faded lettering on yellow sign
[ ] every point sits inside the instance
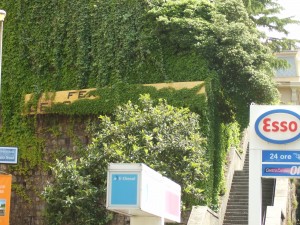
(68, 97)
(64, 97)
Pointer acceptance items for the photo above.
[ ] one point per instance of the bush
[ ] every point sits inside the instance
(164, 137)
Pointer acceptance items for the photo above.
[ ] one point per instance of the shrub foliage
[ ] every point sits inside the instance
(164, 137)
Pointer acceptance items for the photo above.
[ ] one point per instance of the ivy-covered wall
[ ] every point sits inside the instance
(65, 45)
(110, 45)
(61, 132)
(61, 136)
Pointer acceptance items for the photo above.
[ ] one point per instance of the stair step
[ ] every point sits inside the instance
(240, 179)
(240, 221)
(239, 189)
(236, 199)
(239, 218)
(242, 184)
(237, 211)
(233, 197)
(236, 222)
(241, 174)
(237, 182)
(237, 206)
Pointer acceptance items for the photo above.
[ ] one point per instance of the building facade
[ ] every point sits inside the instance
(288, 80)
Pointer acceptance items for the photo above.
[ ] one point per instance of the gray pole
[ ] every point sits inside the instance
(2, 16)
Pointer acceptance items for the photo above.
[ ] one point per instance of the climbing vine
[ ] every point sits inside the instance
(116, 45)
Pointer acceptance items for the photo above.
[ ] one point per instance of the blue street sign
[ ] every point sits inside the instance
(280, 156)
(124, 189)
(281, 170)
(8, 155)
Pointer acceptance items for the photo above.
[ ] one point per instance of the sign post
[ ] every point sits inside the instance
(273, 150)
(2, 16)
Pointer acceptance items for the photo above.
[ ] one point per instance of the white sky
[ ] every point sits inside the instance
(291, 8)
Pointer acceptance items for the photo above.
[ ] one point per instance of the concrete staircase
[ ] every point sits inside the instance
(237, 206)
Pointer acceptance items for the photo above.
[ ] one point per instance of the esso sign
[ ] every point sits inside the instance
(279, 126)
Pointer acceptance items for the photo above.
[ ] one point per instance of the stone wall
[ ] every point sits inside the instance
(62, 136)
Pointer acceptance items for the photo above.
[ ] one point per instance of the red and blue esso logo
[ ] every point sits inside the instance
(279, 126)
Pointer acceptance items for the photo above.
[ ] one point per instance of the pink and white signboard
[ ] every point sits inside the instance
(136, 190)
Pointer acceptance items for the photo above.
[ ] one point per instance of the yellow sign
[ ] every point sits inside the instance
(5, 193)
(68, 97)
(64, 97)
(179, 85)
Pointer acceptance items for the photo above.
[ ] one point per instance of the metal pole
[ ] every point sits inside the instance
(2, 16)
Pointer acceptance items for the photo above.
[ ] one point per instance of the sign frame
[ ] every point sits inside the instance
(273, 128)
(5, 159)
(277, 117)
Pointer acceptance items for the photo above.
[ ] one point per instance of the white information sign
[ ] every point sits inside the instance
(8, 155)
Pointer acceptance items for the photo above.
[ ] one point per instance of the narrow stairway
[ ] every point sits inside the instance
(237, 206)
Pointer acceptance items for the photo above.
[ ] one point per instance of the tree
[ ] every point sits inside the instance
(264, 13)
(163, 137)
(223, 33)
(136, 42)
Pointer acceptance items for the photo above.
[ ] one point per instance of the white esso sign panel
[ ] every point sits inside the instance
(273, 127)
(274, 150)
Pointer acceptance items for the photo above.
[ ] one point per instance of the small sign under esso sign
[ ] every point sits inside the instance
(275, 126)
(280, 170)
